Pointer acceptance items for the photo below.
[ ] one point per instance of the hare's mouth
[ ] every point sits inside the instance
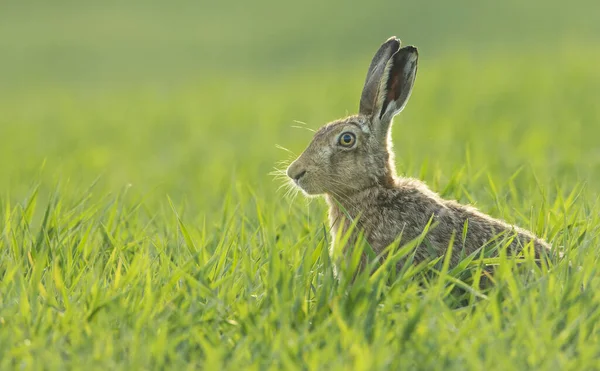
(306, 186)
(304, 178)
(300, 183)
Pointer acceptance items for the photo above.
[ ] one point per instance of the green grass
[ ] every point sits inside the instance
(140, 228)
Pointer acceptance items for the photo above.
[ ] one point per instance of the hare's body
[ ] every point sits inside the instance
(405, 209)
(351, 162)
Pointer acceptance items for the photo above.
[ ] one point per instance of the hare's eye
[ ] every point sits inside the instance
(347, 139)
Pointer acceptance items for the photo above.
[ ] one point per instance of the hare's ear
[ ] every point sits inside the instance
(368, 99)
(395, 87)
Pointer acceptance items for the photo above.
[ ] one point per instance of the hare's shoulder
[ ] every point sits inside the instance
(408, 191)
(409, 199)
(404, 209)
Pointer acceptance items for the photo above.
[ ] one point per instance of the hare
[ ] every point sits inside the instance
(351, 162)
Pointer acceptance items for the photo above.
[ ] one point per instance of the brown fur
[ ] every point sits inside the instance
(361, 182)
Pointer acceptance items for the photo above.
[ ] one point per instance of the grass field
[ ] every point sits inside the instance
(140, 228)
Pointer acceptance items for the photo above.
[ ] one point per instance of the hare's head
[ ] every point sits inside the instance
(355, 153)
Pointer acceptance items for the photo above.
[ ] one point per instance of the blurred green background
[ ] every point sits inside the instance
(184, 97)
(155, 42)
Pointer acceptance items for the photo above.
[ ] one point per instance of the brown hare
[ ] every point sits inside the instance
(351, 162)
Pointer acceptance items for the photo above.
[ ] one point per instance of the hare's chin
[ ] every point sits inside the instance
(309, 194)
(307, 190)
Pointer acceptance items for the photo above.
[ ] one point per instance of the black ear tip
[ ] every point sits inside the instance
(411, 49)
(393, 42)
(409, 53)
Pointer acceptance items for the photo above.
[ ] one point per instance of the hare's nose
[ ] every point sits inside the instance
(295, 173)
(300, 175)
